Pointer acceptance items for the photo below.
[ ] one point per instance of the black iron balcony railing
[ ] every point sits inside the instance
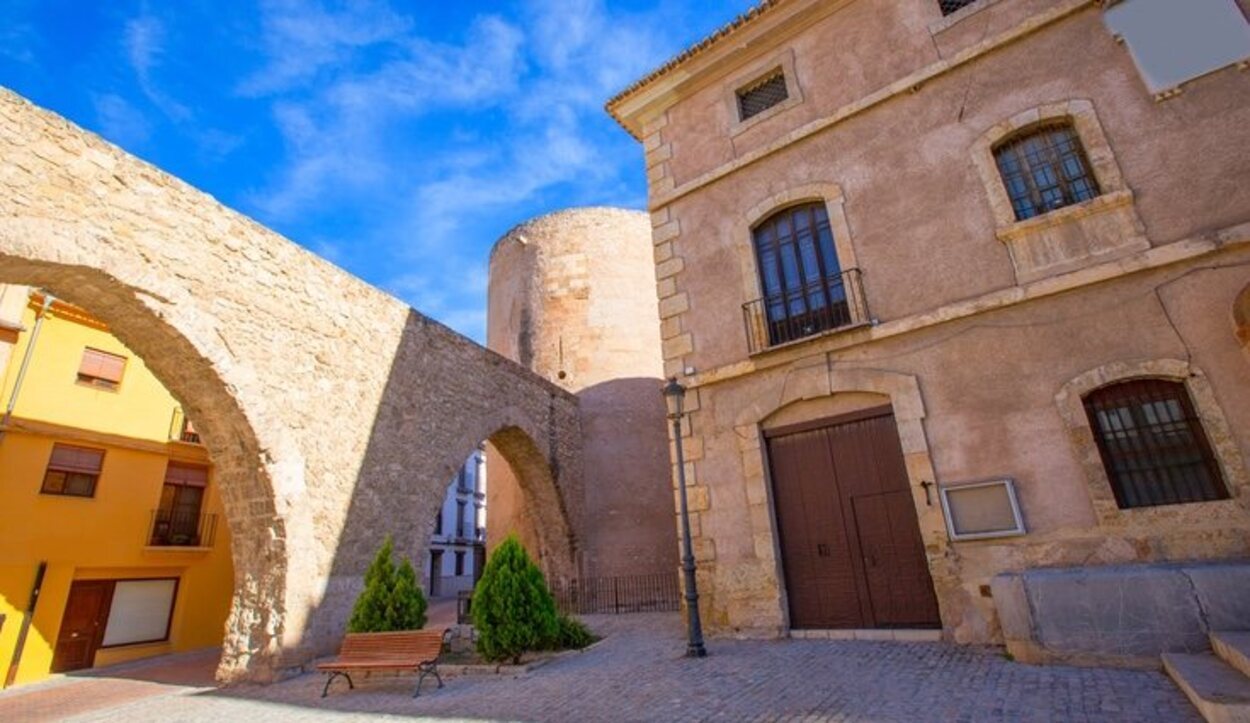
(793, 314)
(178, 528)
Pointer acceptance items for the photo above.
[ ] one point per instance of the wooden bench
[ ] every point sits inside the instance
(415, 650)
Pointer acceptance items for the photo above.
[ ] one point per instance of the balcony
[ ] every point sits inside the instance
(835, 303)
(178, 528)
(181, 430)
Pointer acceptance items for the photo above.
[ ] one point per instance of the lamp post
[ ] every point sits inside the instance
(674, 395)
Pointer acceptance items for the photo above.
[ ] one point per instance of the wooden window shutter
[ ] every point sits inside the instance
(98, 364)
(189, 475)
(76, 459)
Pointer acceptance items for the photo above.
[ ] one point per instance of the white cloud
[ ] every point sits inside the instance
(121, 122)
(144, 42)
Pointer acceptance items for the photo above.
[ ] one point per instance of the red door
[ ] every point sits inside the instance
(850, 540)
(82, 626)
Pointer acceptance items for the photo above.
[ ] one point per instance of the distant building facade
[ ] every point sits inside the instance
(960, 291)
(109, 505)
(457, 551)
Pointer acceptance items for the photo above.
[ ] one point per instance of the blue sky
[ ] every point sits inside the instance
(397, 139)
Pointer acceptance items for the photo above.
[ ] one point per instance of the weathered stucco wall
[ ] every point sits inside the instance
(973, 348)
(333, 413)
(572, 297)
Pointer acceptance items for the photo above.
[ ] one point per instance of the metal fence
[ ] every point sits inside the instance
(658, 592)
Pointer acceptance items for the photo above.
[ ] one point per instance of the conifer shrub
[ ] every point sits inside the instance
(571, 634)
(513, 610)
(392, 598)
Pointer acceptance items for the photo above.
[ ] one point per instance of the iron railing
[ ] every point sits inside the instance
(180, 428)
(658, 592)
(793, 314)
(179, 528)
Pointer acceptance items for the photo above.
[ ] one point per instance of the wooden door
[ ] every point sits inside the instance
(815, 548)
(842, 489)
(82, 626)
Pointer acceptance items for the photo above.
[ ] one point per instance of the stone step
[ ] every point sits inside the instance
(1220, 693)
(1234, 648)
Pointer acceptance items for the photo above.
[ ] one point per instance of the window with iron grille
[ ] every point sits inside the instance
(951, 6)
(1045, 168)
(1152, 444)
(802, 281)
(763, 94)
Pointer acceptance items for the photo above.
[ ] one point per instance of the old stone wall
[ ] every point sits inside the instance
(980, 331)
(333, 413)
(572, 298)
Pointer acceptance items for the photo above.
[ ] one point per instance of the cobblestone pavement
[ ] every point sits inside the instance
(638, 674)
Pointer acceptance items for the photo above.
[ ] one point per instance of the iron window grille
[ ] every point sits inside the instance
(1152, 444)
(952, 6)
(1045, 168)
(762, 94)
(805, 290)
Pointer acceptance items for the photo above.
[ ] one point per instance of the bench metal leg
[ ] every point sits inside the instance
(427, 670)
(335, 674)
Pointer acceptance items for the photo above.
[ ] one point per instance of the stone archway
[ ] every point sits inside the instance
(246, 463)
(333, 411)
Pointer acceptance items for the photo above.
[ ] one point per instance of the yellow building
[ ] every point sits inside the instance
(107, 502)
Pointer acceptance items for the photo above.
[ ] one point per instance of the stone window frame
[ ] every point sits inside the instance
(815, 382)
(820, 192)
(1080, 113)
(1070, 401)
(784, 60)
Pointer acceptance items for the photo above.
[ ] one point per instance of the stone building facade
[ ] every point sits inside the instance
(955, 320)
(571, 297)
(332, 412)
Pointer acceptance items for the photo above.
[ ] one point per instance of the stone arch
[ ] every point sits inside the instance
(246, 463)
(331, 407)
(515, 440)
(1070, 402)
(1241, 318)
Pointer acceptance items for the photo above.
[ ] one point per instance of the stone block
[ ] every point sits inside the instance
(1223, 593)
(1012, 605)
(1130, 611)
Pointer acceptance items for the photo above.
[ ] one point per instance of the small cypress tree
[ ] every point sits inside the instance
(372, 607)
(407, 605)
(513, 610)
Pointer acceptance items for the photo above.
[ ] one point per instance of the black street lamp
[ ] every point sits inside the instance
(674, 395)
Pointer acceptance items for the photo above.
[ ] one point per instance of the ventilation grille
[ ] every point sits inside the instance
(951, 6)
(762, 95)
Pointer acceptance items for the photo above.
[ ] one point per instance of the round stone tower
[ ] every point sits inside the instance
(572, 297)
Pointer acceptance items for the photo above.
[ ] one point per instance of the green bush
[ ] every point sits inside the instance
(512, 609)
(572, 634)
(392, 599)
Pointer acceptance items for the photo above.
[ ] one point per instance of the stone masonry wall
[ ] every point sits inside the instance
(334, 414)
(572, 298)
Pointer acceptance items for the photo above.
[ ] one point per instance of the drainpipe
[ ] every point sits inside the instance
(48, 299)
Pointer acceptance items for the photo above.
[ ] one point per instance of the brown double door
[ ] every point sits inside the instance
(82, 626)
(850, 541)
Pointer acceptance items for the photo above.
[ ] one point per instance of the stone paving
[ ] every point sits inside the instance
(638, 674)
